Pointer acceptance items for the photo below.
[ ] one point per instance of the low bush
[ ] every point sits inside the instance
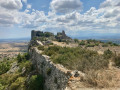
(19, 84)
(27, 65)
(35, 83)
(4, 66)
(1, 87)
(17, 80)
(82, 43)
(6, 79)
(76, 58)
(41, 47)
(115, 44)
(23, 57)
(117, 60)
(108, 54)
(105, 45)
(90, 45)
(76, 40)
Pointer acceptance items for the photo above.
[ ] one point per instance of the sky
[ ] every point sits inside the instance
(79, 18)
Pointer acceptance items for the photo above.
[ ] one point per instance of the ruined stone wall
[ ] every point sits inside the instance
(36, 34)
(56, 76)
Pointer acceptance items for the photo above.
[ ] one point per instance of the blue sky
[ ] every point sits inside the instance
(79, 18)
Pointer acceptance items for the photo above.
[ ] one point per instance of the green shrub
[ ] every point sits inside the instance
(105, 45)
(35, 38)
(41, 47)
(19, 84)
(96, 44)
(48, 71)
(76, 40)
(6, 79)
(117, 60)
(23, 57)
(1, 87)
(27, 65)
(47, 34)
(109, 43)
(36, 82)
(90, 45)
(76, 58)
(14, 86)
(108, 54)
(115, 44)
(82, 43)
(19, 58)
(59, 40)
(4, 66)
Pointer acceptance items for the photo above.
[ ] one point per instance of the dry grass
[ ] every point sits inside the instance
(103, 78)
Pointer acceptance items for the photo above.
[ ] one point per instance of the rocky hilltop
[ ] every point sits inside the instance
(68, 64)
(56, 76)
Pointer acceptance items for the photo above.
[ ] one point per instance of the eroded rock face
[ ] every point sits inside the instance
(13, 68)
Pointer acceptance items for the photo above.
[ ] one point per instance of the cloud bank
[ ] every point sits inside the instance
(63, 13)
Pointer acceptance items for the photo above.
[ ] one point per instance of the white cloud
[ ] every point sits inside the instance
(11, 4)
(65, 6)
(9, 12)
(110, 3)
(107, 17)
(29, 6)
(34, 19)
(26, 11)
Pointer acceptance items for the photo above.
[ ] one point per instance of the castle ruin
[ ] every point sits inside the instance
(60, 35)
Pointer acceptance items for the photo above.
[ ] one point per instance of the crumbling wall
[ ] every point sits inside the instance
(56, 76)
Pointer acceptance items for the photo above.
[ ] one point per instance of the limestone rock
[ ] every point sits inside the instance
(13, 68)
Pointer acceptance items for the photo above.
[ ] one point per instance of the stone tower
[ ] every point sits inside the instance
(33, 34)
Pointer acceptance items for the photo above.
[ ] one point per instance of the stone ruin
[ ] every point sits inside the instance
(62, 35)
(41, 34)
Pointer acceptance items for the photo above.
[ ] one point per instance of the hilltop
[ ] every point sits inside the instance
(89, 57)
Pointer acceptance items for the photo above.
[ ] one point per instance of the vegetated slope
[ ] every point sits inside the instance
(76, 58)
(19, 74)
(94, 65)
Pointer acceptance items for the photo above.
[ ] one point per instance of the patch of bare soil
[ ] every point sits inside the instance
(63, 44)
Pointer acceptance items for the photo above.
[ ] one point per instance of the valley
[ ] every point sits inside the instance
(12, 49)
